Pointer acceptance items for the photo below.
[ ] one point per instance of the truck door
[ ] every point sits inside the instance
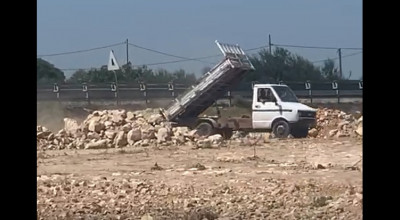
(264, 108)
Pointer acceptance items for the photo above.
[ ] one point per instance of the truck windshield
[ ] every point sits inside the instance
(285, 94)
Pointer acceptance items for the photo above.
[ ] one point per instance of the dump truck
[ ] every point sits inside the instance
(275, 107)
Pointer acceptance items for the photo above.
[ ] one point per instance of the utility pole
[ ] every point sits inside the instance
(270, 44)
(127, 52)
(340, 62)
(116, 87)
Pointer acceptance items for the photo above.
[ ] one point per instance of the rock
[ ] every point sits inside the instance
(215, 139)
(321, 201)
(206, 143)
(180, 131)
(120, 139)
(79, 144)
(93, 135)
(357, 114)
(198, 166)
(70, 146)
(141, 121)
(342, 134)
(148, 132)
(43, 134)
(267, 137)
(134, 135)
(155, 119)
(163, 135)
(359, 130)
(360, 120)
(108, 124)
(110, 134)
(117, 119)
(95, 126)
(192, 134)
(146, 217)
(342, 124)
(71, 126)
(61, 133)
(138, 143)
(126, 128)
(50, 137)
(333, 132)
(145, 143)
(313, 132)
(130, 116)
(156, 167)
(96, 145)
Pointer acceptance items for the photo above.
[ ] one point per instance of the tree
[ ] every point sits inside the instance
(329, 71)
(79, 76)
(48, 73)
(279, 65)
(205, 69)
(129, 74)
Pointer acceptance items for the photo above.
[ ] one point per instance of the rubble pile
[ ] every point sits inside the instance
(126, 197)
(121, 128)
(336, 123)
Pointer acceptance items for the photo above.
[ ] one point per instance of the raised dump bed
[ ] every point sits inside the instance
(211, 87)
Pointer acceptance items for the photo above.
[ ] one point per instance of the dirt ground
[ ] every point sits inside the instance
(282, 179)
(310, 178)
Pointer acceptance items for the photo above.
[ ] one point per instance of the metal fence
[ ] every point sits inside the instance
(146, 92)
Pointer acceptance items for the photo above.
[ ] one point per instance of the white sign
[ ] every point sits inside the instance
(112, 62)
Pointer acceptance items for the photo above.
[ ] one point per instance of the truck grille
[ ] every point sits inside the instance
(307, 114)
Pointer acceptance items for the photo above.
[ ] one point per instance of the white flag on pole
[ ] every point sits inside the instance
(112, 62)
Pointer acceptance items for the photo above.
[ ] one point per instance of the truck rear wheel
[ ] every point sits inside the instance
(204, 129)
(281, 129)
(299, 131)
(227, 133)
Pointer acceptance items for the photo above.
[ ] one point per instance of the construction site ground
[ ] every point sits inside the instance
(309, 178)
(332, 167)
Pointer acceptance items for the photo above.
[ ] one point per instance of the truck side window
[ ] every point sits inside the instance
(265, 95)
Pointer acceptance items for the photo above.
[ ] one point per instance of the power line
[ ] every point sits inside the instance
(167, 54)
(177, 61)
(336, 58)
(317, 47)
(80, 51)
(256, 48)
(183, 59)
(76, 69)
(197, 58)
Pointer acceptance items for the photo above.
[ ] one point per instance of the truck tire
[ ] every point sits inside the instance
(227, 133)
(281, 129)
(205, 129)
(299, 131)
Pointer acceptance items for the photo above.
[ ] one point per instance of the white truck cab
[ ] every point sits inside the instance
(275, 107)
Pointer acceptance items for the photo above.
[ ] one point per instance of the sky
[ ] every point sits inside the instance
(189, 28)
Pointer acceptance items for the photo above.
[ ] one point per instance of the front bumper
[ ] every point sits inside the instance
(310, 122)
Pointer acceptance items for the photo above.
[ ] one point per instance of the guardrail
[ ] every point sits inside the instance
(145, 92)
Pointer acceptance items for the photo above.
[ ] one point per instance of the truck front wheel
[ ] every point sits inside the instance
(281, 129)
(204, 129)
(299, 131)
